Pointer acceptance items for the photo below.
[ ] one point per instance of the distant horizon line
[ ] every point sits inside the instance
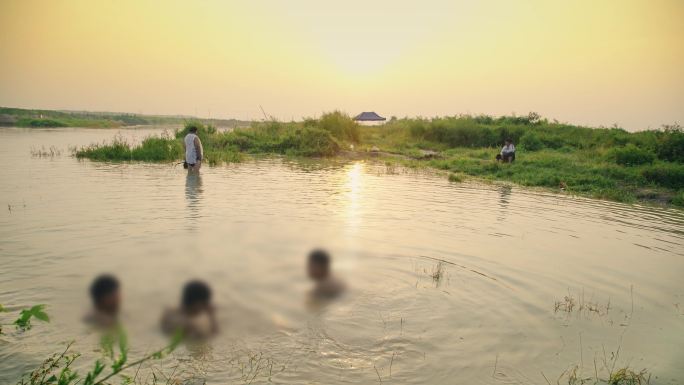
(183, 116)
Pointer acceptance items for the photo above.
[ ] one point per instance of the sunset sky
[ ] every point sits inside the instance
(585, 62)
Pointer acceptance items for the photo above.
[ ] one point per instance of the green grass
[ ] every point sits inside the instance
(575, 172)
(292, 139)
(279, 138)
(678, 199)
(605, 163)
(152, 149)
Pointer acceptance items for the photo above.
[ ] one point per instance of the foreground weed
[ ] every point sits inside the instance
(604, 372)
(37, 312)
(23, 322)
(623, 376)
(57, 370)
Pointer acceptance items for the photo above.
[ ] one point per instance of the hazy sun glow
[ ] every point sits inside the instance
(588, 62)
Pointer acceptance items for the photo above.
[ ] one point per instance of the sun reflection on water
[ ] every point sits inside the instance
(353, 191)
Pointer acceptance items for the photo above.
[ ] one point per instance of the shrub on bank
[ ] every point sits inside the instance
(309, 141)
(340, 126)
(458, 132)
(631, 155)
(531, 142)
(205, 133)
(280, 138)
(665, 174)
(158, 149)
(678, 199)
(487, 131)
(671, 144)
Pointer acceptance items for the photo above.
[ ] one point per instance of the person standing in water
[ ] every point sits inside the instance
(193, 150)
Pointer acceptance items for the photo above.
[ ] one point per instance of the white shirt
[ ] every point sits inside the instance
(190, 149)
(507, 149)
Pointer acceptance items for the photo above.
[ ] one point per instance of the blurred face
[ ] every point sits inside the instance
(196, 308)
(317, 271)
(110, 303)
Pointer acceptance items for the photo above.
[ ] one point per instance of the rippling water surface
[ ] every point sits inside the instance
(506, 256)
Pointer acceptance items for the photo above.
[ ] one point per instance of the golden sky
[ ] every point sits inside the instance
(587, 62)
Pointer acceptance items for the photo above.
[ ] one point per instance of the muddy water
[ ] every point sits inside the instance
(448, 283)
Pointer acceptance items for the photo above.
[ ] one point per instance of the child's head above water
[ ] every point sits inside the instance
(105, 294)
(319, 265)
(196, 297)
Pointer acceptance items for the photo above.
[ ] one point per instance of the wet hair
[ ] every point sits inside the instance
(102, 286)
(319, 257)
(196, 292)
(193, 129)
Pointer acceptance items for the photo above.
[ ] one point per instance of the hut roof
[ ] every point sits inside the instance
(369, 116)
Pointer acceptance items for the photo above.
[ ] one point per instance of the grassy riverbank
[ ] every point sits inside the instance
(606, 163)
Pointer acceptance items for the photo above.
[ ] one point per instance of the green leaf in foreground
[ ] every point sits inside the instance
(39, 313)
(92, 375)
(118, 364)
(24, 320)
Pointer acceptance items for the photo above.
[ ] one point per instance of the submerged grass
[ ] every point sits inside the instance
(579, 305)
(44, 152)
(604, 163)
(623, 376)
(604, 372)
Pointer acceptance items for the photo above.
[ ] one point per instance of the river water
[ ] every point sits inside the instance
(447, 283)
